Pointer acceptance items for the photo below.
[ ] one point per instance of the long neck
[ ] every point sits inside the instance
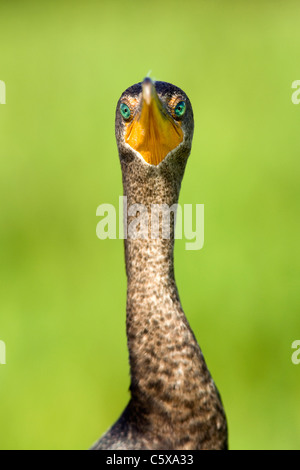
(169, 376)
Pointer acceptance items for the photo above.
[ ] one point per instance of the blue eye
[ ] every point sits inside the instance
(125, 111)
(180, 109)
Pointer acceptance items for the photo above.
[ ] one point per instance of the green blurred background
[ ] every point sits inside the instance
(63, 291)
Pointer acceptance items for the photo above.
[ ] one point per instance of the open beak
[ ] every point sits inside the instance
(153, 132)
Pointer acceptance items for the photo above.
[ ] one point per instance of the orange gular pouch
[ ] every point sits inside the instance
(152, 132)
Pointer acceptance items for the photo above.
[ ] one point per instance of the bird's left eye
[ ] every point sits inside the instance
(180, 109)
(125, 111)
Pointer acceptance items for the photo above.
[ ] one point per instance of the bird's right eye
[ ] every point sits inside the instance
(125, 111)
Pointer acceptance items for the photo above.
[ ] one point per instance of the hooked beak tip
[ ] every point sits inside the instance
(148, 90)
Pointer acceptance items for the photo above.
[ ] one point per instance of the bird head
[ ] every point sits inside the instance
(154, 123)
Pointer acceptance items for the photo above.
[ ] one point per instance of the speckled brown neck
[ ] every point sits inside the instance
(172, 390)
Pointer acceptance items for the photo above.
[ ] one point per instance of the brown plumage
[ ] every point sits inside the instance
(174, 402)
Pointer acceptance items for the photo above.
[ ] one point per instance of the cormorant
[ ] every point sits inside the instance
(174, 402)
